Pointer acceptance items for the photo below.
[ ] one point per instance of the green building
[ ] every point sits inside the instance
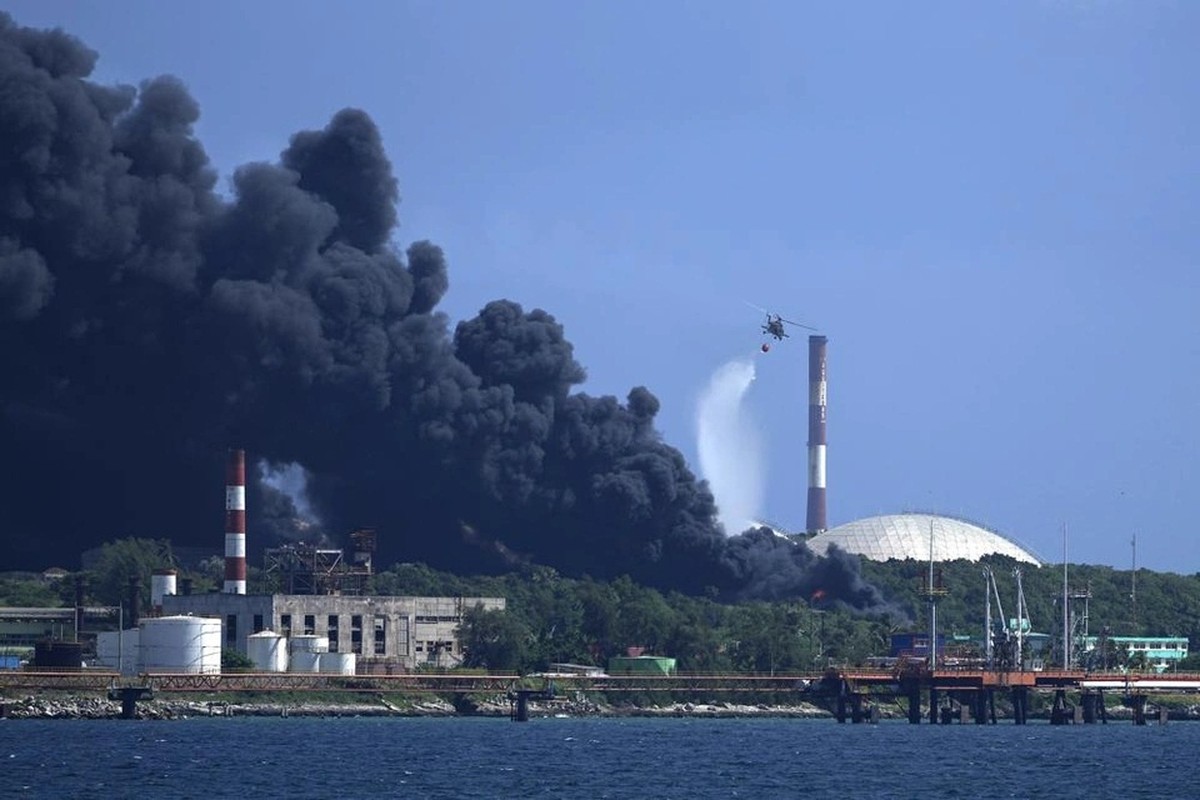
(1161, 652)
(641, 665)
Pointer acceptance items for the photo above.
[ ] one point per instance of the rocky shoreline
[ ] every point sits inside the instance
(92, 707)
(81, 706)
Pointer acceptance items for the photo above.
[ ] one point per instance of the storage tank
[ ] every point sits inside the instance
(57, 655)
(268, 651)
(308, 643)
(181, 644)
(162, 583)
(118, 650)
(338, 663)
(303, 661)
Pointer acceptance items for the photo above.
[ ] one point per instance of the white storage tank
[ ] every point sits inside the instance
(268, 651)
(303, 661)
(181, 644)
(118, 650)
(309, 643)
(338, 663)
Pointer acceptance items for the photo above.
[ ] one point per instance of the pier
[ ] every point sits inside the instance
(940, 696)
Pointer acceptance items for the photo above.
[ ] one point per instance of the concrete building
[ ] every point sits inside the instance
(385, 632)
(1161, 652)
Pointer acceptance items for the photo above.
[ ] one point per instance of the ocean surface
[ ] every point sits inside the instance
(590, 758)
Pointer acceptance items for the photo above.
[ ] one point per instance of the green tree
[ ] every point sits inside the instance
(30, 593)
(1190, 664)
(599, 619)
(644, 617)
(494, 640)
(698, 638)
(235, 661)
(1138, 661)
(108, 580)
(554, 615)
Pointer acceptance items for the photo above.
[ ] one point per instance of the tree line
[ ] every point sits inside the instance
(551, 618)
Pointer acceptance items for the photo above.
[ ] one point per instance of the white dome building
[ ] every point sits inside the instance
(906, 536)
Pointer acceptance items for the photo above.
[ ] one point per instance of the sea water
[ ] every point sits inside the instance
(589, 758)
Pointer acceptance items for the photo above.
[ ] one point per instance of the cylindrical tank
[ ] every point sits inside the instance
(162, 582)
(308, 643)
(303, 661)
(268, 651)
(54, 654)
(181, 644)
(118, 650)
(338, 663)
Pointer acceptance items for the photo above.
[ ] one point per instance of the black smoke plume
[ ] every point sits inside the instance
(146, 325)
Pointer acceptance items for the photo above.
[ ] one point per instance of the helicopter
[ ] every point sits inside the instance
(774, 326)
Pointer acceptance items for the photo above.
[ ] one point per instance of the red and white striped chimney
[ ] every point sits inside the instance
(816, 434)
(235, 523)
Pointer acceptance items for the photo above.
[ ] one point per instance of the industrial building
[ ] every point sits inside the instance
(384, 632)
(322, 616)
(324, 600)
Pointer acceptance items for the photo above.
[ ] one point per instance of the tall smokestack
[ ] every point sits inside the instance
(235, 523)
(816, 434)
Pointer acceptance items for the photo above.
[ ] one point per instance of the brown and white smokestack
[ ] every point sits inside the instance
(235, 523)
(816, 434)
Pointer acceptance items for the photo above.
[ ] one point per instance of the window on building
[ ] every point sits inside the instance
(356, 633)
(380, 635)
(258, 622)
(285, 624)
(333, 632)
(310, 624)
(231, 629)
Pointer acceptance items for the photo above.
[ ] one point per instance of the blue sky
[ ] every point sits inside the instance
(987, 208)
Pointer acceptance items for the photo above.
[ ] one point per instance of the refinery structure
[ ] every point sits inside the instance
(322, 621)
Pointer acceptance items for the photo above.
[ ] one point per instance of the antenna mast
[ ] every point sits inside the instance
(933, 591)
(989, 658)
(1022, 614)
(1066, 625)
(1133, 585)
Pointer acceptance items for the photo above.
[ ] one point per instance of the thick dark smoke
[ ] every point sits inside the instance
(147, 324)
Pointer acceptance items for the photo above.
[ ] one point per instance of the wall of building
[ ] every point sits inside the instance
(239, 613)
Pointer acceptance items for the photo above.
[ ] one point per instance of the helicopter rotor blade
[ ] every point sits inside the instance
(759, 308)
(799, 324)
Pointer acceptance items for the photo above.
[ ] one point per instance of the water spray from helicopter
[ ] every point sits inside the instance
(729, 445)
